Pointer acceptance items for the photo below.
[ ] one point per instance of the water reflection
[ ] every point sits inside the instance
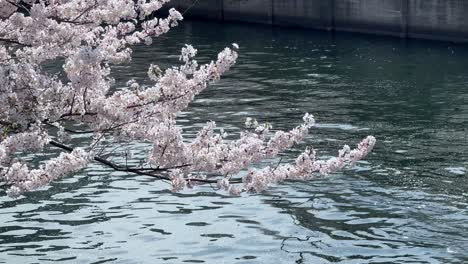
(405, 204)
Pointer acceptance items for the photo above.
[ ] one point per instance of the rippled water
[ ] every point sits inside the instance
(407, 203)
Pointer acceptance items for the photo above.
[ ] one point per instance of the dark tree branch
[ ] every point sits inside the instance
(141, 171)
(13, 42)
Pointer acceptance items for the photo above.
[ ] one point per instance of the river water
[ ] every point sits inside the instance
(406, 203)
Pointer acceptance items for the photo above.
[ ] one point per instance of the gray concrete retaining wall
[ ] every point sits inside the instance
(257, 11)
(444, 19)
(316, 14)
(209, 9)
(372, 16)
(430, 19)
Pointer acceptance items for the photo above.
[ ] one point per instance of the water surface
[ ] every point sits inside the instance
(406, 203)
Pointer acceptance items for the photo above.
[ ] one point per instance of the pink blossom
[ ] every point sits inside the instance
(91, 38)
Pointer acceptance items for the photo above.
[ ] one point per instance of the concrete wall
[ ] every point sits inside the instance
(445, 19)
(209, 9)
(257, 11)
(316, 14)
(431, 19)
(373, 16)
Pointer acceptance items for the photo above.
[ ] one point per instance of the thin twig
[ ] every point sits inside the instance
(190, 7)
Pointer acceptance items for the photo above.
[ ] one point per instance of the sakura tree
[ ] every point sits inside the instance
(39, 108)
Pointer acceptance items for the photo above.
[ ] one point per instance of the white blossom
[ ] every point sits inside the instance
(90, 38)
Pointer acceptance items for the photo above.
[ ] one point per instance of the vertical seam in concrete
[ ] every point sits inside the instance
(221, 7)
(272, 12)
(333, 25)
(404, 17)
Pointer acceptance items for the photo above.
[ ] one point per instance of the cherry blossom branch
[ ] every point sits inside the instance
(139, 171)
(84, 12)
(90, 38)
(113, 165)
(14, 42)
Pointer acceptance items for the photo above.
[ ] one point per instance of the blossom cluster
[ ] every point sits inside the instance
(32, 141)
(90, 37)
(23, 179)
(305, 166)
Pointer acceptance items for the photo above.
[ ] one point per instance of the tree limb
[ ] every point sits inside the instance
(141, 171)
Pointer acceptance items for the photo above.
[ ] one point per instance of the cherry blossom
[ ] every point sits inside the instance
(40, 108)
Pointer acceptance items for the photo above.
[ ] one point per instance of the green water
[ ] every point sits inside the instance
(406, 203)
